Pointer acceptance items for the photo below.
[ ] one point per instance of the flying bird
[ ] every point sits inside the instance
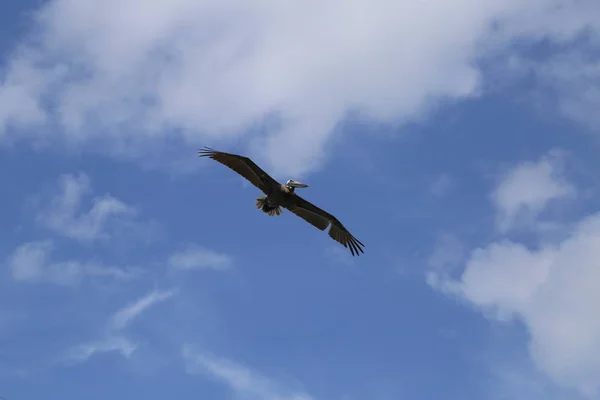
(278, 196)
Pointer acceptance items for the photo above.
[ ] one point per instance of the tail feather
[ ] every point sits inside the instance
(263, 205)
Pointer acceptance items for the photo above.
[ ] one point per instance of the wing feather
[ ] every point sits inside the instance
(244, 167)
(320, 219)
(315, 220)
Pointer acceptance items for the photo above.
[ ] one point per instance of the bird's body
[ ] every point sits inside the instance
(283, 196)
(280, 196)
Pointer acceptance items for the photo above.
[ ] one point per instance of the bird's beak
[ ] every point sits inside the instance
(298, 184)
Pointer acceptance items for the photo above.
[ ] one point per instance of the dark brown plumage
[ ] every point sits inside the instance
(278, 195)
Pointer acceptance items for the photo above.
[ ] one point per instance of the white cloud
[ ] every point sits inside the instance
(28, 260)
(63, 215)
(112, 338)
(243, 381)
(31, 262)
(123, 317)
(195, 257)
(119, 344)
(527, 189)
(551, 288)
(215, 69)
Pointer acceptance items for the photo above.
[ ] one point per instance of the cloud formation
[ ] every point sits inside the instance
(113, 338)
(567, 80)
(126, 78)
(64, 214)
(119, 344)
(551, 288)
(243, 381)
(31, 262)
(123, 317)
(553, 291)
(61, 213)
(196, 257)
(527, 189)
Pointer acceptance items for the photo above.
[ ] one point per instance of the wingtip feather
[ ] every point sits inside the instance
(206, 151)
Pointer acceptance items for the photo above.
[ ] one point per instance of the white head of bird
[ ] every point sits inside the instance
(292, 184)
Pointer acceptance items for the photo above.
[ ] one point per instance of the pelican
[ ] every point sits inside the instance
(278, 196)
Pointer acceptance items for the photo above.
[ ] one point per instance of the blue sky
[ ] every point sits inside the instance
(457, 140)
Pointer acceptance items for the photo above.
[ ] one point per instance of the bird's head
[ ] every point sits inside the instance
(292, 184)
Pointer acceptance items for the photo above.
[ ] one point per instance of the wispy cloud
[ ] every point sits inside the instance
(64, 214)
(527, 189)
(113, 337)
(119, 344)
(575, 76)
(196, 257)
(243, 381)
(127, 314)
(519, 379)
(446, 258)
(568, 81)
(31, 262)
(339, 255)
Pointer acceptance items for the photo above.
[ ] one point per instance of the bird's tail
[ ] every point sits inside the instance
(263, 205)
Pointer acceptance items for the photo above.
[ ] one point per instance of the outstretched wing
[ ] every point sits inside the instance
(243, 166)
(320, 219)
